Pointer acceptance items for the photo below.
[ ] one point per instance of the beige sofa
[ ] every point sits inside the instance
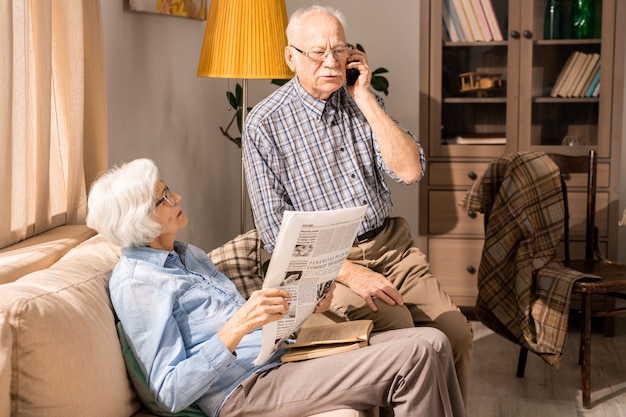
(59, 351)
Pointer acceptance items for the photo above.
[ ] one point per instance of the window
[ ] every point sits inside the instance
(53, 139)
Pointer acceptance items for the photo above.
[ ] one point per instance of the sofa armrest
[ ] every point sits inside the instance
(41, 251)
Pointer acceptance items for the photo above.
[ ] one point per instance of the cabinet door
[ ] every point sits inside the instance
(557, 105)
(468, 87)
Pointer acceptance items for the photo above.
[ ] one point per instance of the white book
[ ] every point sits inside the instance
(482, 20)
(456, 9)
(473, 20)
(587, 75)
(596, 91)
(577, 69)
(492, 19)
(449, 23)
(593, 84)
(563, 74)
(570, 73)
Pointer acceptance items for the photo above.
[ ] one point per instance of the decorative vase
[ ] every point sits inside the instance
(552, 23)
(582, 19)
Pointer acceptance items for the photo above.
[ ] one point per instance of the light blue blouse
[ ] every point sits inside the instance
(171, 306)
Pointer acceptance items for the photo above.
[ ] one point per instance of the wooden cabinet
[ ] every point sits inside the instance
(521, 112)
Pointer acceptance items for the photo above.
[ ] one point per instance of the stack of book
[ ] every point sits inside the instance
(470, 21)
(579, 77)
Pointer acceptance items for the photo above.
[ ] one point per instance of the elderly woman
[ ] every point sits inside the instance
(196, 337)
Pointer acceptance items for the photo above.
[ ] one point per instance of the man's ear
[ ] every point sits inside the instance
(290, 59)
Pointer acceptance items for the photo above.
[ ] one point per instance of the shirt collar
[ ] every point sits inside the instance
(156, 256)
(326, 110)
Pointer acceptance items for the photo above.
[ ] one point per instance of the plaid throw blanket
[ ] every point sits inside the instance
(523, 290)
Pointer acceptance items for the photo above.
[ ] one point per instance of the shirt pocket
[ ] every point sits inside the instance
(199, 305)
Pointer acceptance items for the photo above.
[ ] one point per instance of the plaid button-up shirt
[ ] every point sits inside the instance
(302, 153)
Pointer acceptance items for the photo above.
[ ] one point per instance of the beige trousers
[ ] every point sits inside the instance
(393, 254)
(410, 371)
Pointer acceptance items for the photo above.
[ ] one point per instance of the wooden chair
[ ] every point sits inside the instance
(613, 274)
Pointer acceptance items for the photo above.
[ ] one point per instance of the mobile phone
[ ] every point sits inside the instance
(351, 75)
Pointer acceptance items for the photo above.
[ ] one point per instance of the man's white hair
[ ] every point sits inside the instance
(294, 21)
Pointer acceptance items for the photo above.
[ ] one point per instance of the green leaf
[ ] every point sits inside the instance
(239, 94)
(380, 84)
(380, 70)
(232, 101)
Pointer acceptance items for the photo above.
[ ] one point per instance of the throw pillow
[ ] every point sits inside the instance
(141, 385)
(239, 259)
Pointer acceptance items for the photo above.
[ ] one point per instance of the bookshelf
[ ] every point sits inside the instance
(524, 111)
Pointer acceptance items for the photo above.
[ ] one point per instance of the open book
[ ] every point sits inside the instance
(329, 339)
(310, 249)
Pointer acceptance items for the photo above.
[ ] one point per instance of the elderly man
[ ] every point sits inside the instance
(319, 144)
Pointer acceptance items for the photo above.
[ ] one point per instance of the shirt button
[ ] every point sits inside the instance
(342, 149)
(364, 202)
(353, 176)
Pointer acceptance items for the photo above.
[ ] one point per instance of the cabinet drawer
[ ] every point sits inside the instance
(466, 173)
(459, 173)
(445, 215)
(455, 263)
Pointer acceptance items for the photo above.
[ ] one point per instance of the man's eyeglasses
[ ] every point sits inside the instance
(166, 197)
(340, 54)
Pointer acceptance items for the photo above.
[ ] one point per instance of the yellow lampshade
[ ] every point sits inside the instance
(245, 39)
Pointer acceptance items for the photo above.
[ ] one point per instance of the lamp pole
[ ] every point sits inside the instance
(244, 113)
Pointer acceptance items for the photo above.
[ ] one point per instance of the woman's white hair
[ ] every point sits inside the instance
(121, 203)
(295, 20)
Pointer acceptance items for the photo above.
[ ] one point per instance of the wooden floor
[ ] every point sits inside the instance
(495, 391)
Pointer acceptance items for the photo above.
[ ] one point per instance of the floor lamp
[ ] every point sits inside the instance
(245, 39)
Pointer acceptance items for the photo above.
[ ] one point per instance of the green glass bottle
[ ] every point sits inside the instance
(552, 23)
(582, 19)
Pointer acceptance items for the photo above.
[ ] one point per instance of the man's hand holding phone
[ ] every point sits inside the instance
(356, 65)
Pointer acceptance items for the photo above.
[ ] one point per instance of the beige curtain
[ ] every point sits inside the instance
(53, 139)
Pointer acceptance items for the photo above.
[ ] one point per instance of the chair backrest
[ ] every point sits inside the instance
(585, 164)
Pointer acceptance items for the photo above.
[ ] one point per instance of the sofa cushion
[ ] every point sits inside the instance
(141, 384)
(65, 355)
(240, 259)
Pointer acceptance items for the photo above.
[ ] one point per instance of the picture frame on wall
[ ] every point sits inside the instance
(191, 9)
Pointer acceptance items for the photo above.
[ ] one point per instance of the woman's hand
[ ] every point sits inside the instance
(324, 303)
(263, 306)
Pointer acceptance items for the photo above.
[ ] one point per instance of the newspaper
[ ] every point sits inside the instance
(310, 249)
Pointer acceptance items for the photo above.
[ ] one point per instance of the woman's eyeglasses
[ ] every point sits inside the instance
(166, 197)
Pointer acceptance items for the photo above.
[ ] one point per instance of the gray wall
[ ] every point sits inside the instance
(158, 108)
